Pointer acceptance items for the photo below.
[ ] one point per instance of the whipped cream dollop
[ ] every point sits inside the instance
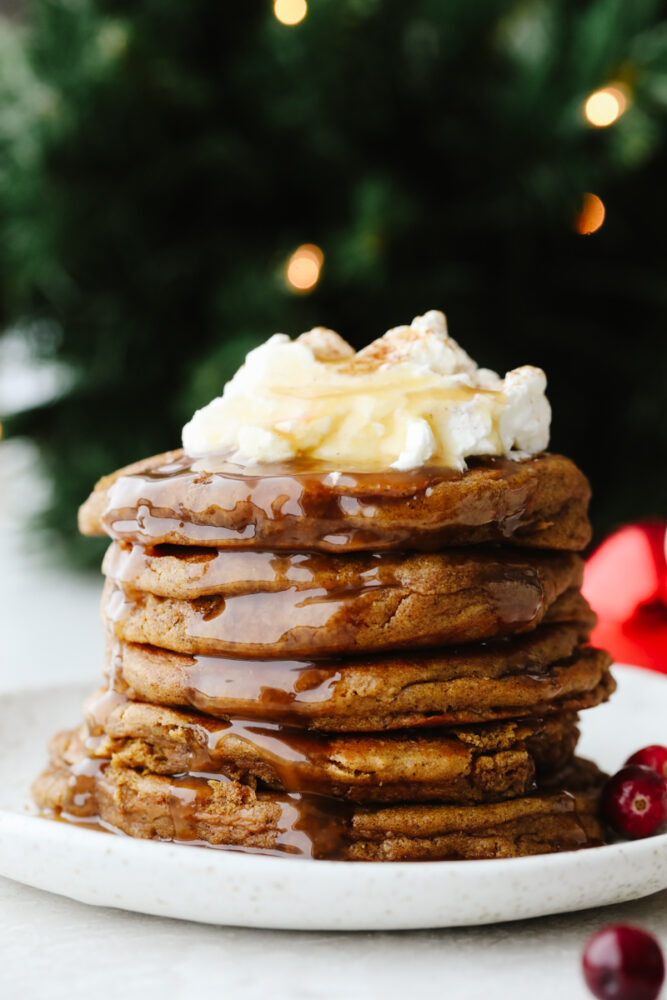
(410, 398)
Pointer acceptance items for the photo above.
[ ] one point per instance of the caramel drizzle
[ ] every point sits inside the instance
(308, 826)
(300, 760)
(321, 620)
(293, 692)
(339, 507)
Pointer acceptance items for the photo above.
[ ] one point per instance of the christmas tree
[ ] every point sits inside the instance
(160, 163)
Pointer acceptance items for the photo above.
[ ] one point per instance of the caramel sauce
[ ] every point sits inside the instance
(224, 572)
(312, 619)
(82, 779)
(94, 823)
(321, 621)
(301, 761)
(310, 823)
(281, 691)
(308, 826)
(297, 505)
(100, 708)
(311, 826)
(294, 691)
(213, 503)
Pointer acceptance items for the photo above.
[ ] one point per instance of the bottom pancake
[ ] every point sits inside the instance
(220, 812)
(459, 764)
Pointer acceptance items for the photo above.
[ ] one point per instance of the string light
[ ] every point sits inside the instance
(303, 268)
(290, 11)
(591, 216)
(605, 106)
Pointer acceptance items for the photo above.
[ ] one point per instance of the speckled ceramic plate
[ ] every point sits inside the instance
(253, 891)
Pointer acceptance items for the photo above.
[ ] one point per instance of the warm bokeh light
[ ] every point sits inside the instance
(290, 11)
(604, 106)
(591, 216)
(304, 267)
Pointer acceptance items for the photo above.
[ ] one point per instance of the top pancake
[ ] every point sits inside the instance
(538, 502)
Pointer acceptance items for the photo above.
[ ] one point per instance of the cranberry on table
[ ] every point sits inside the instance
(654, 757)
(623, 963)
(634, 801)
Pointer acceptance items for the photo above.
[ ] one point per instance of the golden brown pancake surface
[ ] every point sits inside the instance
(226, 813)
(538, 502)
(452, 599)
(464, 764)
(535, 674)
(497, 576)
(350, 665)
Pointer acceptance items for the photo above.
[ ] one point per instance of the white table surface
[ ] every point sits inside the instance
(53, 948)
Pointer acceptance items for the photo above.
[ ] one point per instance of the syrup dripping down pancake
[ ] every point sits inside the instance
(539, 502)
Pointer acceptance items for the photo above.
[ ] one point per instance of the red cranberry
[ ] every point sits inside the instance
(654, 757)
(623, 963)
(634, 802)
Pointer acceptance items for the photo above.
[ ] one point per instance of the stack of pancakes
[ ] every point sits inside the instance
(372, 666)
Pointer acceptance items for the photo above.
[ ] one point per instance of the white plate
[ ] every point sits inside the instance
(221, 887)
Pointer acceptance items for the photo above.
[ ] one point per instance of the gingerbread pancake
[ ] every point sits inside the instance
(444, 601)
(539, 502)
(516, 580)
(224, 813)
(461, 764)
(546, 671)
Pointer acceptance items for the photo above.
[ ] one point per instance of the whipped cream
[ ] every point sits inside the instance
(410, 398)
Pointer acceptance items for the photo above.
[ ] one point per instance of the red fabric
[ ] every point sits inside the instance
(626, 584)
